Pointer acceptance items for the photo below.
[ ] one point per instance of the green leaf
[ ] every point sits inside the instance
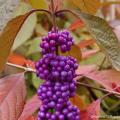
(28, 27)
(36, 81)
(39, 4)
(41, 30)
(104, 36)
(34, 46)
(87, 6)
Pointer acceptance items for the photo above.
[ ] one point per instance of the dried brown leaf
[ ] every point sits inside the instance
(74, 52)
(8, 36)
(78, 101)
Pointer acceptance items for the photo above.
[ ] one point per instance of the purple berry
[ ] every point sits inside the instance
(51, 104)
(63, 73)
(61, 117)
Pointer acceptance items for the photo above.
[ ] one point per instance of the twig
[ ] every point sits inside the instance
(110, 117)
(53, 14)
(54, 20)
(21, 67)
(109, 94)
(100, 89)
(102, 63)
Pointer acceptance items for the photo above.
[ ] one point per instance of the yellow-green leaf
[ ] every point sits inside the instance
(28, 27)
(34, 46)
(41, 4)
(87, 6)
(104, 36)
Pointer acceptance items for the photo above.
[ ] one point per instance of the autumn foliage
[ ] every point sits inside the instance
(23, 23)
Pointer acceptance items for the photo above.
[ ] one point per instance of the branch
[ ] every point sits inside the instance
(79, 83)
(21, 67)
(102, 63)
(100, 89)
(108, 94)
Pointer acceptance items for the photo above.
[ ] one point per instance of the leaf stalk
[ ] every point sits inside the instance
(27, 69)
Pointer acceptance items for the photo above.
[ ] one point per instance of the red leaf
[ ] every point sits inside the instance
(110, 79)
(12, 96)
(31, 106)
(92, 112)
(105, 77)
(75, 25)
(84, 70)
(20, 60)
(31, 118)
(16, 59)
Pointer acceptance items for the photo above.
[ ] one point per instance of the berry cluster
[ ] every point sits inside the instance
(56, 67)
(61, 39)
(58, 73)
(56, 91)
(68, 112)
(55, 98)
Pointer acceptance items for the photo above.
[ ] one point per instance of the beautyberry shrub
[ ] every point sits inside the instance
(58, 73)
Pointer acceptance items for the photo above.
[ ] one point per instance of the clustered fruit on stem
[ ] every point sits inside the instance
(58, 73)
